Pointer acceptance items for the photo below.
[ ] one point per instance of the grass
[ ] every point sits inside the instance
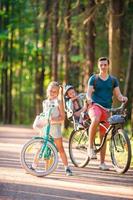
(67, 132)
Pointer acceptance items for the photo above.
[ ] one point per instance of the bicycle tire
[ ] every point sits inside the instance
(120, 150)
(44, 166)
(78, 144)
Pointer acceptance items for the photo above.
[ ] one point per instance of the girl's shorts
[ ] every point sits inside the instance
(55, 131)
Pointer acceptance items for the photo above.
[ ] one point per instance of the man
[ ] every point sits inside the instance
(101, 88)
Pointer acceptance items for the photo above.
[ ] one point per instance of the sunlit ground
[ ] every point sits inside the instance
(85, 182)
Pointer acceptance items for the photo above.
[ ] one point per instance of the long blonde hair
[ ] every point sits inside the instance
(56, 84)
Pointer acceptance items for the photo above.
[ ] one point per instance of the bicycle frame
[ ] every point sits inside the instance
(112, 127)
(47, 138)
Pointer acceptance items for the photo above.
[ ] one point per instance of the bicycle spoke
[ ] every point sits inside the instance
(44, 159)
(78, 144)
(120, 151)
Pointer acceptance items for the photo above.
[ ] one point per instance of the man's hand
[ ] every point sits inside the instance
(89, 100)
(122, 98)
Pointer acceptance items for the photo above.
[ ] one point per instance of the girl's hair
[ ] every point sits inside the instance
(52, 84)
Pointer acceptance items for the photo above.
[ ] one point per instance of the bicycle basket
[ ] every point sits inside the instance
(116, 119)
(39, 122)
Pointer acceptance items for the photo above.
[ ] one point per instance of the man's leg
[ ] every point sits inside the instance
(102, 133)
(92, 130)
(94, 114)
(103, 151)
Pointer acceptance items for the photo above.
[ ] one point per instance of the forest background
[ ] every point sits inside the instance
(44, 40)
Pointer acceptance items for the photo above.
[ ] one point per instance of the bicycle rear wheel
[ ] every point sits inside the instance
(120, 149)
(31, 154)
(78, 144)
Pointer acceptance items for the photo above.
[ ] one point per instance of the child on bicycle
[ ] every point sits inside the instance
(56, 119)
(75, 104)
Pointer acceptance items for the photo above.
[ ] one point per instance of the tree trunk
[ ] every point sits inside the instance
(39, 74)
(10, 81)
(21, 113)
(66, 41)
(128, 90)
(5, 88)
(10, 105)
(115, 40)
(1, 79)
(46, 12)
(90, 43)
(67, 37)
(55, 40)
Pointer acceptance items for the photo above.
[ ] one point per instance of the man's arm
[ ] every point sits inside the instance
(119, 96)
(89, 94)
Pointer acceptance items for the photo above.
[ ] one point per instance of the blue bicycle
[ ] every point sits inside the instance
(40, 151)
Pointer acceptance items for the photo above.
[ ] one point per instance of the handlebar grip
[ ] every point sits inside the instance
(118, 109)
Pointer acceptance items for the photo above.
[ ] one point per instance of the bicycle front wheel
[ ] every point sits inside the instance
(78, 144)
(120, 149)
(30, 155)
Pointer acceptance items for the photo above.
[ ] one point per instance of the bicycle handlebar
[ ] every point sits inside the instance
(118, 109)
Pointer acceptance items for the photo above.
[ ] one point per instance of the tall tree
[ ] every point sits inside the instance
(39, 71)
(1, 79)
(5, 88)
(116, 12)
(89, 23)
(10, 99)
(21, 68)
(55, 40)
(67, 37)
(46, 13)
(128, 90)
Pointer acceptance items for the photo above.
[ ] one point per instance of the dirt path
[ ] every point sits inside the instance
(87, 183)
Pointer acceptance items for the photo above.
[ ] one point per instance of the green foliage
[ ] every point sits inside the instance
(101, 31)
(3, 36)
(25, 47)
(76, 58)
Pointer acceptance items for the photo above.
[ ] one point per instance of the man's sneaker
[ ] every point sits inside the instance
(68, 172)
(91, 153)
(103, 167)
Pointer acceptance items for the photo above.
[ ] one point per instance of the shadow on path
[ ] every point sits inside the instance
(21, 192)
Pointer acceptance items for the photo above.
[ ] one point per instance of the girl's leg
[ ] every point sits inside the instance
(59, 145)
(36, 159)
